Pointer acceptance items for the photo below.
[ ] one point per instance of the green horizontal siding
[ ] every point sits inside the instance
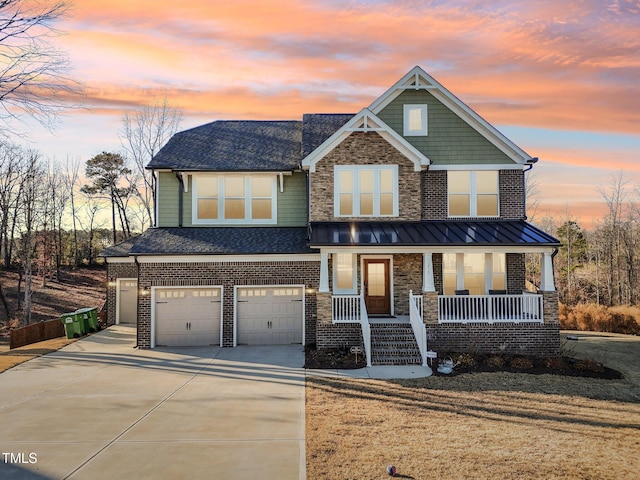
(450, 140)
(292, 202)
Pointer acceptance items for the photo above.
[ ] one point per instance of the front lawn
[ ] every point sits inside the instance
(489, 425)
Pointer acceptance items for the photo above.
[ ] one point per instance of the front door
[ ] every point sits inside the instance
(377, 295)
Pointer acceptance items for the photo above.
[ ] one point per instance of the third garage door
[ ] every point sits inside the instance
(187, 317)
(269, 315)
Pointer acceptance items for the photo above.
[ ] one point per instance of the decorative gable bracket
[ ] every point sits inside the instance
(366, 121)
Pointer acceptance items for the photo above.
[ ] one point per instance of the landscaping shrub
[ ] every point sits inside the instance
(599, 318)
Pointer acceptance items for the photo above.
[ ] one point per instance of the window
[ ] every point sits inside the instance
(234, 199)
(415, 120)
(476, 272)
(472, 193)
(366, 191)
(344, 272)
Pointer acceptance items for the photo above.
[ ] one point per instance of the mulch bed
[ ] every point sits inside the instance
(333, 358)
(567, 366)
(474, 363)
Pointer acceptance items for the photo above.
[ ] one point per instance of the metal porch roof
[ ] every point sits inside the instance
(430, 233)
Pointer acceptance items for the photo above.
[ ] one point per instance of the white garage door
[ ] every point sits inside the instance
(187, 317)
(269, 315)
(127, 300)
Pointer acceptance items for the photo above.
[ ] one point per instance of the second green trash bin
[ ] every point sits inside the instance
(89, 317)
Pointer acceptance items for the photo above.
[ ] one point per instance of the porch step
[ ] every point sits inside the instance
(394, 344)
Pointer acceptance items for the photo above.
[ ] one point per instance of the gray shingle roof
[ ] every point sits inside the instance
(120, 249)
(222, 241)
(247, 145)
(234, 146)
(316, 128)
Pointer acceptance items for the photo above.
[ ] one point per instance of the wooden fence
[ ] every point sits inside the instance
(37, 332)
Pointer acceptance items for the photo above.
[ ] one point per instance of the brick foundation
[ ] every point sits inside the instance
(522, 339)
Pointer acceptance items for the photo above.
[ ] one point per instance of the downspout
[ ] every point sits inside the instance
(180, 198)
(135, 260)
(553, 266)
(530, 163)
(308, 179)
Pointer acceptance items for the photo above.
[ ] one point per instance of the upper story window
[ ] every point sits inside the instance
(366, 191)
(234, 198)
(472, 193)
(415, 120)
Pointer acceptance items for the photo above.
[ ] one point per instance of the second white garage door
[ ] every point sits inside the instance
(269, 315)
(187, 317)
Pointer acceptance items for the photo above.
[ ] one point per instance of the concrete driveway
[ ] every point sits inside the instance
(101, 409)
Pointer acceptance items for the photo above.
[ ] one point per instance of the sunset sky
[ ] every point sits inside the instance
(561, 78)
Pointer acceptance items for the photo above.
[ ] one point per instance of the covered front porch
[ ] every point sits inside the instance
(370, 273)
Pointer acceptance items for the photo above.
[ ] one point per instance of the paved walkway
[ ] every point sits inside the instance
(100, 409)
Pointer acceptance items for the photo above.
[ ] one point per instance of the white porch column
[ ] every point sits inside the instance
(324, 272)
(459, 271)
(547, 284)
(488, 272)
(428, 284)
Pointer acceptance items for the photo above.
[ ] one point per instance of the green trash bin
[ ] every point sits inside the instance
(73, 326)
(89, 318)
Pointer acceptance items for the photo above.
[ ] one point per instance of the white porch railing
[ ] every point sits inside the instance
(366, 330)
(352, 309)
(490, 308)
(417, 299)
(345, 308)
(419, 330)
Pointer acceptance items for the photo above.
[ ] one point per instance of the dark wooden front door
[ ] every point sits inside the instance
(377, 296)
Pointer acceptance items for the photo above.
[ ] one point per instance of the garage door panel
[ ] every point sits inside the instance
(268, 316)
(188, 316)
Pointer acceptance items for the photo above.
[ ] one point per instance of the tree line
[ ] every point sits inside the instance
(55, 214)
(600, 265)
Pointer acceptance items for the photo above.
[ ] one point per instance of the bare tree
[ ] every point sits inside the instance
(33, 73)
(30, 217)
(72, 169)
(143, 133)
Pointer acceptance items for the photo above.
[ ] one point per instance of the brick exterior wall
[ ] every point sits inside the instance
(511, 194)
(227, 275)
(330, 335)
(407, 275)
(115, 271)
(364, 149)
(516, 273)
(434, 195)
(521, 339)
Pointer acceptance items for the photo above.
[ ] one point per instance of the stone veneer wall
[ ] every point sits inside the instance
(434, 194)
(227, 275)
(115, 271)
(364, 149)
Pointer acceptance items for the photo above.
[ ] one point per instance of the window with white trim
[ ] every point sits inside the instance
(415, 120)
(476, 272)
(366, 191)
(234, 198)
(344, 273)
(472, 193)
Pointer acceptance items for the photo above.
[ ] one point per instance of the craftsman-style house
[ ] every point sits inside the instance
(402, 223)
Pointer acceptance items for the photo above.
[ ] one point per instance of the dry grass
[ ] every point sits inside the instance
(599, 318)
(480, 426)
(11, 358)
